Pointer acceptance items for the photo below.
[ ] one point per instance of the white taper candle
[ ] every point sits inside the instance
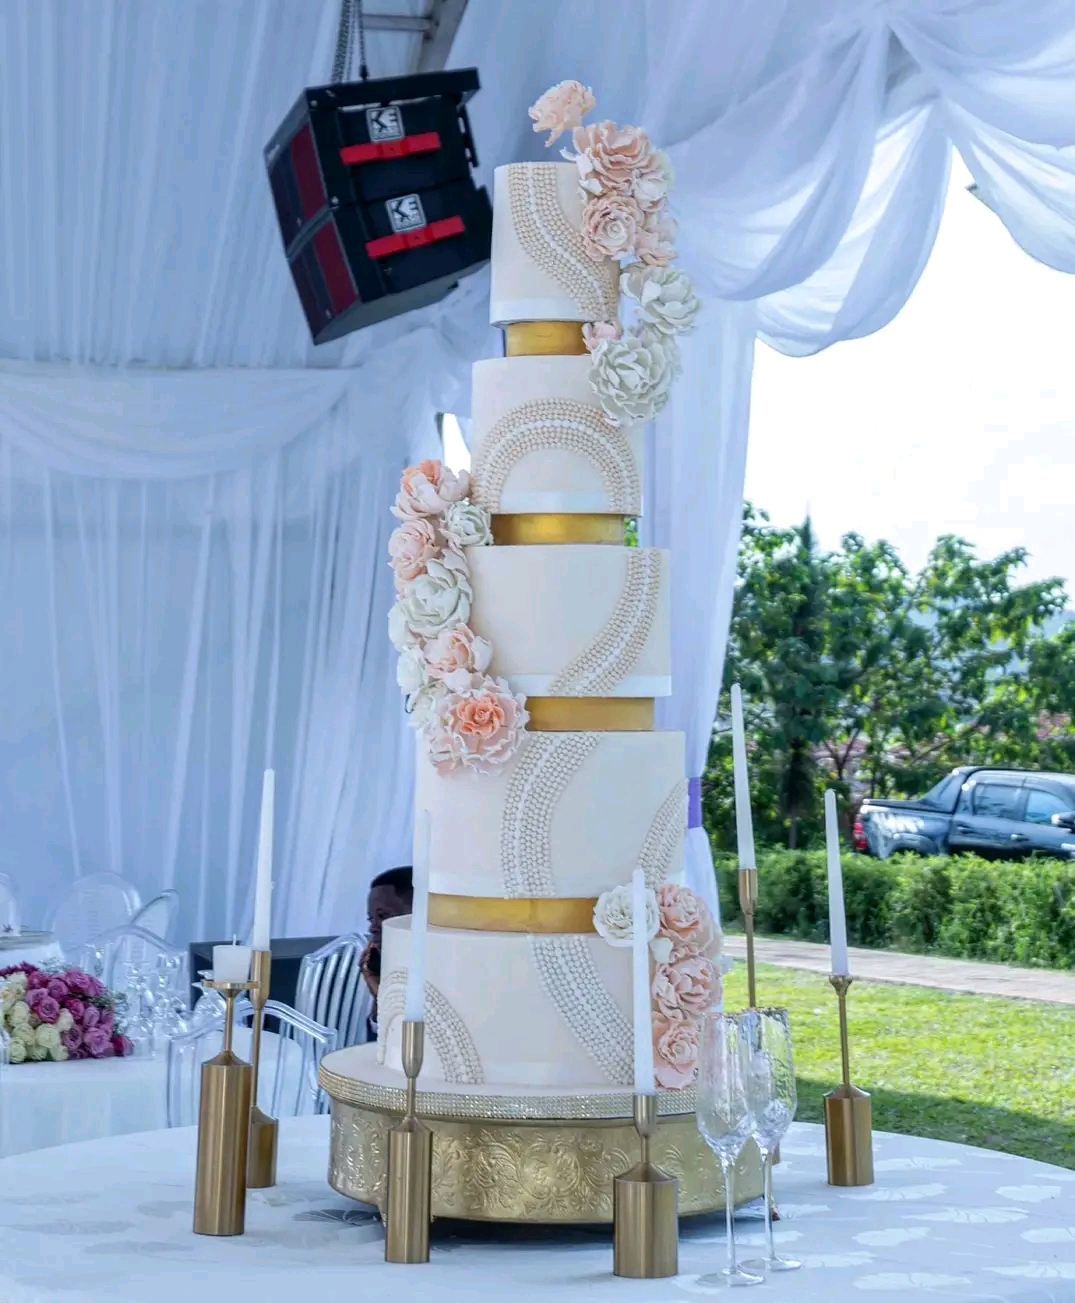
(837, 917)
(415, 1010)
(744, 821)
(643, 1016)
(261, 937)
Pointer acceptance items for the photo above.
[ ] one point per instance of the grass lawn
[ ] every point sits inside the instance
(970, 1068)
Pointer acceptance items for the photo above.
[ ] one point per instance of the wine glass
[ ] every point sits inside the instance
(772, 1096)
(724, 1116)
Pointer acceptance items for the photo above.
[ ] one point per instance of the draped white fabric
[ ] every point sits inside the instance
(192, 497)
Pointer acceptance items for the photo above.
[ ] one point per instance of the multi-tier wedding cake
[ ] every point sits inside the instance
(533, 644)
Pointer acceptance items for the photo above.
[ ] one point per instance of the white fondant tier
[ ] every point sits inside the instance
(542, 444)
(541, 270)
(512, 1009)
(575, 620)
(571, 814)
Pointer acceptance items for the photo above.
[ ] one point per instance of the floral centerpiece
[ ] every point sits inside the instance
(625, 183)
(59, 1014)
(469, 718)
(685, 944)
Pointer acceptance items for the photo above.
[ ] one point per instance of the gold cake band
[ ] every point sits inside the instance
(545, 916)
(558, 527)
(532, 338)
(590, 714)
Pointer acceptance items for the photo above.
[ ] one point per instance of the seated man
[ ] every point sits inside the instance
(391, 895)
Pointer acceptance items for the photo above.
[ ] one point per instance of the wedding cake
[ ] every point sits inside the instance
(534, 642)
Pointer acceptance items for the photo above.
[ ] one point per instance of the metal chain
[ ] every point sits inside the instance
(363, 70)
(341, 64)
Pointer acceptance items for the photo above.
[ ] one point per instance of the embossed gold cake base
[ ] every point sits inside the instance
(489, 1166)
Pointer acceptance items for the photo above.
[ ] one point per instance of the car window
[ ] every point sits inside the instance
(1041, 806)
(996, 800)
(944, 795)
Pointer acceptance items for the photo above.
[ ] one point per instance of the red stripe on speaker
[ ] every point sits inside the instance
(390, 244)
(308, 173)
(427, 142)
(334, 268)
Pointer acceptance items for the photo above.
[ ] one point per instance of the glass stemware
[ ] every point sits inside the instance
(773, 1100)
(724, 1116)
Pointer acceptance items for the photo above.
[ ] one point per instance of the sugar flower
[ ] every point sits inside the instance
(562, 108)
(480, 728)
(613, 915)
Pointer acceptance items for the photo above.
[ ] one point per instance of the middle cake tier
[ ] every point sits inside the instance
(575, 620)
(569, 816)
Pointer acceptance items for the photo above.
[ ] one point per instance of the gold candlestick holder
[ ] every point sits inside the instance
(645, 1212)
(748, 904)
(223, 1131)
(264, 1130)
(410, 1166)
(848, 1124)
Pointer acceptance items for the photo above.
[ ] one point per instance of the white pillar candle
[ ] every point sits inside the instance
(415, 1009)
(261, 938)
(837, 918)
(744, 821)
(643, 1016)
(231, 963)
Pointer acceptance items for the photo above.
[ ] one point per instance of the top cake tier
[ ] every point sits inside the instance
(541, 269)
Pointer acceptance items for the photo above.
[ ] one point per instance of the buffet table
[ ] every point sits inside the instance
(111, 1219)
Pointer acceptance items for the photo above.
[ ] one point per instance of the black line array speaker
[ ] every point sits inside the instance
(375, 197)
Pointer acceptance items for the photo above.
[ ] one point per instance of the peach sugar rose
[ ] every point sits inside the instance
(610, 225)
(428, 489)
(675, 1051)
(610, 157)
(686, 918)
(688, 984)
(562, 108)
(412, 545)
(457, 649)
(480, 728)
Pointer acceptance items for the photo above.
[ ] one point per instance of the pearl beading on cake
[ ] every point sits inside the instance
(666, 833)
(612, 654)
(550, 240)
(560, 423)
(458, 1055)
(570, 979)
(546, 765)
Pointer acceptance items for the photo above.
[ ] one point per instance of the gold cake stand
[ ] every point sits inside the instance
(517, 1158)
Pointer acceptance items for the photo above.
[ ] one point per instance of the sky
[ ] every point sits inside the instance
(958, 417)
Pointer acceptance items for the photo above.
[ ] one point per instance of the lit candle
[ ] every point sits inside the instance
(744, 822)
(643, 1016)
(416, 970)
(263, 886)
(231, 963)
(837, 919)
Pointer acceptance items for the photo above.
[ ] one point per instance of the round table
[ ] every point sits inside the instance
(111, 1220)
(29, 948)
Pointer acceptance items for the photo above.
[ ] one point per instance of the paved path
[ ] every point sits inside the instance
(915, 970)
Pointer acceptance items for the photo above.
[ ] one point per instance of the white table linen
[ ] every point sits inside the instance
(48, 1104)
(112, 1220)
(29, 948)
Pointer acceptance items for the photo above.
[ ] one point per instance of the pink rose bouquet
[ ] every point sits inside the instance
(59, 1015)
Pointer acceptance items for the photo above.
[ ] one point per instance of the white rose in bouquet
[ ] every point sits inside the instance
(17, 1052)
(20, 1013)
(48, 1035)
(58, 1053)
(37, 1053)
(65, 1021)
(613, 915)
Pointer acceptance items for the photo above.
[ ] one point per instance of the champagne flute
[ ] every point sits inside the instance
(724, 1116)
(773, 1100)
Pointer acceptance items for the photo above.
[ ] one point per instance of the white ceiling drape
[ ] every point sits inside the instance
(192, 497)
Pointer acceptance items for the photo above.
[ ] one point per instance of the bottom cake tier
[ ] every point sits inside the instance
(525, 1156)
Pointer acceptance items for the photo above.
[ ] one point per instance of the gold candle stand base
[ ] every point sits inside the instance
(410, 1166)
(645, 1213)
(848, 1122)
(264, 1130)
(223, 1132)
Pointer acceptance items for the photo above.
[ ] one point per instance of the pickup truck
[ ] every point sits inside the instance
(999, 813)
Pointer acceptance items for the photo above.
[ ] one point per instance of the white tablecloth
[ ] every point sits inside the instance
(29, 948)
(111, 1220)
(45, 1104)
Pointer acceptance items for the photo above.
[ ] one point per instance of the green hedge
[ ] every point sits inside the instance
(1014, 912)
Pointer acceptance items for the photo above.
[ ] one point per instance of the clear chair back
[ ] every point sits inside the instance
(9, 906)
(291, 1052)
(157, 915)
(94, 905)
(332, 991)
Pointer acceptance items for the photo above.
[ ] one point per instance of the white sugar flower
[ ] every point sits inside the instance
(613, 916)
(467, 525)
(439, 599)
(423, 704)
(411, 673)
(399, 631)
(665, 296)
(632, 376)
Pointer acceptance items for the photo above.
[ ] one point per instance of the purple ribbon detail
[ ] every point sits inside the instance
(694, 803)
